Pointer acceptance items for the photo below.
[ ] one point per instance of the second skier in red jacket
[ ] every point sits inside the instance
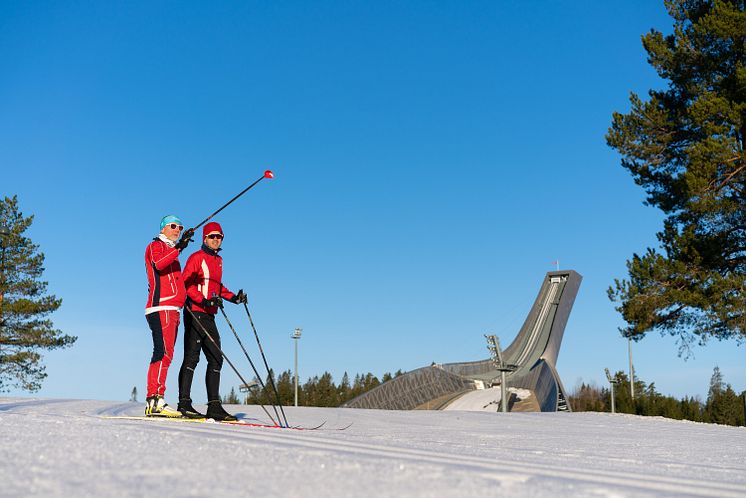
(203, 278)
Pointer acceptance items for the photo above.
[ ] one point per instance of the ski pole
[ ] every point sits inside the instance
(246, 307)
(251, 363)
(194, 317)
(267, 174)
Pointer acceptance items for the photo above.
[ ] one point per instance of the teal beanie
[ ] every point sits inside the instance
(170, 219)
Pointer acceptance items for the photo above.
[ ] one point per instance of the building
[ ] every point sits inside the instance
(532, 357)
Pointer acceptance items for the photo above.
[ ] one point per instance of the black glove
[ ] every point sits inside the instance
(240, 297)
(213, 301)
(185, 239)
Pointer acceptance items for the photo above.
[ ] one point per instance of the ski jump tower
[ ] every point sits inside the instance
(534, 353)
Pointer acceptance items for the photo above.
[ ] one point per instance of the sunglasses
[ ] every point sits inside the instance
(174, 226)
(215, 236)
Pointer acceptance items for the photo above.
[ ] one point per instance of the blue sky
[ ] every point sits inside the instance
(432, 160)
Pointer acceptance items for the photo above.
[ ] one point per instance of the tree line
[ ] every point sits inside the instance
(316, 391)
(723, 404)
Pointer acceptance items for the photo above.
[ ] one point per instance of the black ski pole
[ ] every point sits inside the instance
(194, 317)
(267, 174)
(246, 307)
(251, 363)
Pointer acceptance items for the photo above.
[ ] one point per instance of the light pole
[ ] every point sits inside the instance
(496, 355)
(612, 381)
(296, 338)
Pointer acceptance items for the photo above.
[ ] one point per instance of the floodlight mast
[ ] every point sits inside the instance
(612, 381)
(493, 346)
(296, 336)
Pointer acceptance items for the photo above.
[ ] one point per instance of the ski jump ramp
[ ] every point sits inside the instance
(534, 353)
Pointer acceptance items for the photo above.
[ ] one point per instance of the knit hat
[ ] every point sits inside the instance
(171, 218)
(212, 227)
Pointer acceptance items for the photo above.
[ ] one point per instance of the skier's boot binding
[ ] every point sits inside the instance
(156, 406)
(187, 410)
(216, 412)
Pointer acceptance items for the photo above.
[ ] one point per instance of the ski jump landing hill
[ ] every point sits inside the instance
(533, 352)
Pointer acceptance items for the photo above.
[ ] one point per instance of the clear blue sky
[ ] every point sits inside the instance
(432, 160)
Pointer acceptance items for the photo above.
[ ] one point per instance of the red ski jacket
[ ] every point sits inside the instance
(203, 275)
(165, 285)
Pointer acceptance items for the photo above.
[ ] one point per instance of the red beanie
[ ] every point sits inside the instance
(211, 227)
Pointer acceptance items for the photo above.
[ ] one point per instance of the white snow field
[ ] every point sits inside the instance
(60, 447)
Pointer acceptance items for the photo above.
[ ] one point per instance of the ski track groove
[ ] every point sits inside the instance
(636, 480)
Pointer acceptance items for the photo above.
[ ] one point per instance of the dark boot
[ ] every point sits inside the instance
(187, 410)
(216, 412)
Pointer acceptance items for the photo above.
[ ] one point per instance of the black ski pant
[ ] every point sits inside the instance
(195, 341)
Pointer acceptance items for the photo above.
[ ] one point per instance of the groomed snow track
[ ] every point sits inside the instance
(64, 448)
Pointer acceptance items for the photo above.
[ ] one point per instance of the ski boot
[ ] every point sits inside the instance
(216, 412)
(156, 406)
(187, 410)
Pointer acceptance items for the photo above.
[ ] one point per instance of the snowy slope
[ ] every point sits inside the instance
(54, 447)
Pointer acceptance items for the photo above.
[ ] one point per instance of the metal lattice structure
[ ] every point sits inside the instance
(532, 356)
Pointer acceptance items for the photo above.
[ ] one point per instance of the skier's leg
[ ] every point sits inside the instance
(156, 330)
(164, 326)
(214, 360)
(192, 345)
(212, 375)
(170, 325)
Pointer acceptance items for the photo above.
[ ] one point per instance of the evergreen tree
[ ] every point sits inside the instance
(24, 330)
(686, 147)
(357, 386)
(310, 396)
(326, 391)
(723, 404)
(286, 388)
(716, 383)
(691, 409)
(369, 382)
(231, 398)
(344, 389)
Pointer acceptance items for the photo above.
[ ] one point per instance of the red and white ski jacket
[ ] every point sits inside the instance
(203, 275)
(165, 285)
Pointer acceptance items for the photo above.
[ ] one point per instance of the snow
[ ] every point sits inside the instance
(486, 400)
(59, 447)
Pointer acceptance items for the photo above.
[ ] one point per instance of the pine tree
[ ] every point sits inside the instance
(344, 389)
(286, 388)
(24, 330)
(328, 391)
(310, 395)
(231, 398)
(686, 147)
(716, 383)
(723, 404)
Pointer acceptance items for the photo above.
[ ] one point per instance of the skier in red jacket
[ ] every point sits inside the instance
(203, 274)
(166, 295)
